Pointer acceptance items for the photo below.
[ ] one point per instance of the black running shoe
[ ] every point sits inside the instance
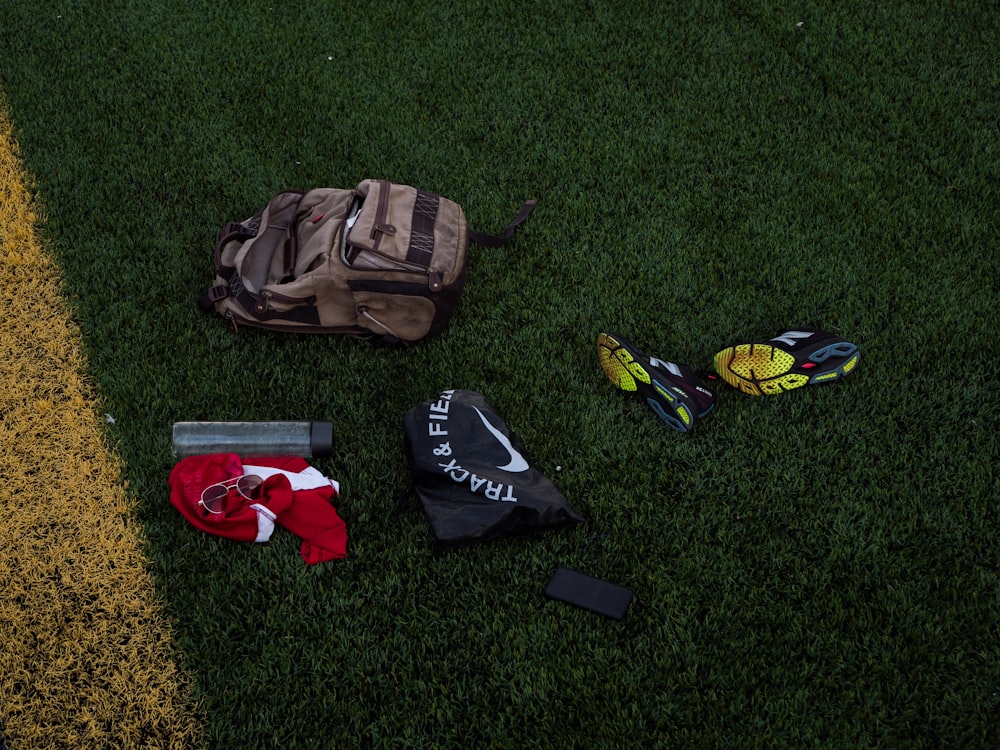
(791, 360)
(672, 391)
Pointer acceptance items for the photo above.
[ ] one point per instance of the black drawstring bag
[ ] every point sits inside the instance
(472, 475)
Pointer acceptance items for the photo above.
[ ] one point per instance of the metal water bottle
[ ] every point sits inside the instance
(306, 439)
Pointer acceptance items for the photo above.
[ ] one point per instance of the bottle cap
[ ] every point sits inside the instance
(321, 439)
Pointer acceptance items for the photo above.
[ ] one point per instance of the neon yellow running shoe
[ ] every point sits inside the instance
(672, 391)
(795, 358)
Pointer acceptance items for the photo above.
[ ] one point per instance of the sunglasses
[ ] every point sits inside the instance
(214, 496)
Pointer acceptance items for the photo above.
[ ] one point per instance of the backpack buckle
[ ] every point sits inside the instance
(207, 301)
(217, 293)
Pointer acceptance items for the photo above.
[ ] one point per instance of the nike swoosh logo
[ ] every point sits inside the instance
(517, 462)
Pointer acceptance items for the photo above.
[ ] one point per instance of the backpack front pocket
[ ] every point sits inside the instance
(394, 230)
(407, 318)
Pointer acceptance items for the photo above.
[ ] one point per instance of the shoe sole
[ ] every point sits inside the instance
(767, 370)
(629, 370)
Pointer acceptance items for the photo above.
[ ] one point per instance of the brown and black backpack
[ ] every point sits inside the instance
(381, 260)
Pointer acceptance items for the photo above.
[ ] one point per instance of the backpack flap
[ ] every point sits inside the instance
(400, 228)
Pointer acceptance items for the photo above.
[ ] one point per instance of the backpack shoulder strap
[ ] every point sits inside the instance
(495, 240)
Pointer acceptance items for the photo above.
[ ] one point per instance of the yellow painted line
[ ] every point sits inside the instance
(86, 659)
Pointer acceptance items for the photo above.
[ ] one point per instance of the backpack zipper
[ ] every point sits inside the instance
(435, 278)
(364, 312)
(235, 324)
(266, 295)
(394, 264)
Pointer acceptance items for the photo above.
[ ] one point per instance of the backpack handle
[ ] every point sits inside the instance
(494, 240)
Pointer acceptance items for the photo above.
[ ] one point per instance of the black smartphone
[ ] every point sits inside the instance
(591, 593)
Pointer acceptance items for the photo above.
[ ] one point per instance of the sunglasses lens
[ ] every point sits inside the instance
(212, 498)
(248, 485)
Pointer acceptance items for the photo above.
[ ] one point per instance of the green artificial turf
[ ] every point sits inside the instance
(818, 569)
